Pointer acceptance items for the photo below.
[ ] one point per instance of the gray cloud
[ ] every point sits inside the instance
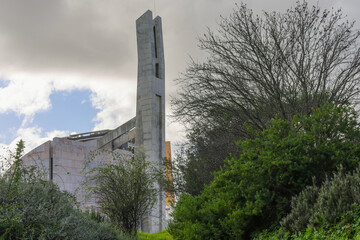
(98, 37)
(93, 38)
(43, 35)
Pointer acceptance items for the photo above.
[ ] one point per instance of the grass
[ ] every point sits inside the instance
(163, 235)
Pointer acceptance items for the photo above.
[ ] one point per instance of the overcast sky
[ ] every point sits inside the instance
(70, 66)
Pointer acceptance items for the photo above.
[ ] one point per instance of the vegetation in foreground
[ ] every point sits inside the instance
(124, 186)
(268, 82)
(254, 192)
(329, 211)
(33, 208)
(347, 227)
(163, 235)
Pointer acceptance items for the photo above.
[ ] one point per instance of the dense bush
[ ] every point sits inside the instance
(316, 205)
(33, 208)
(348, 227)
(39, 210)
(254, 191)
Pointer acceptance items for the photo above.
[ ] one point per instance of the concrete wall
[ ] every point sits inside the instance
(117, 137)
(150, 107)
(68, 160)
(39, 157)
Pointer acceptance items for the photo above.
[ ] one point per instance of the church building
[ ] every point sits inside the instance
(63, 158)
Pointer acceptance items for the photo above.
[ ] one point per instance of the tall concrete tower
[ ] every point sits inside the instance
(150, 107)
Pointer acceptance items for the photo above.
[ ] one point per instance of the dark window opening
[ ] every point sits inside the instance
(51, 169)
(155, 45)
(157, 74)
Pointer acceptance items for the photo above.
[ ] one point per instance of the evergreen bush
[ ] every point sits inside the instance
(34, 208)
(316, 206)
(347, 228)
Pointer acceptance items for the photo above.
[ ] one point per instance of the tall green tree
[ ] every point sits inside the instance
(254, 191)
(261, 66)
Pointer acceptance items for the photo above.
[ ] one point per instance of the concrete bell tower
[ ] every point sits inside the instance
(150, 106)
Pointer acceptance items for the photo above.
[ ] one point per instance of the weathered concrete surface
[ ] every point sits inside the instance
(68, 160)
(150, 107)
(40, 157)
(119, 136)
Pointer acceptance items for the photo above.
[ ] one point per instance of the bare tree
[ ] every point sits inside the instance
(280, 64)
(258, 67)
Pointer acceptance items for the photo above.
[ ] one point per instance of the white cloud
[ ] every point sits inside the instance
(116, 103)
(32, 137)
(175, 132)
(25, 97)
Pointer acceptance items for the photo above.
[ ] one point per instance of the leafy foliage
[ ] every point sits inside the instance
(33, 208)
(348, 227)
(254, 192)
(124, 186)
(191, 170)
(317, 205)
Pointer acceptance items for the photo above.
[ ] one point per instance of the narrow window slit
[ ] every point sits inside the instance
(155, 44)
(157, 74)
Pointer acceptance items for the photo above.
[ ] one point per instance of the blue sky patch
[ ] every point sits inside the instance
(4, 83)
(71, 111)
(9, 123)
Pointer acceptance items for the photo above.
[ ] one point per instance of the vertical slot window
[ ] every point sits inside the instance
(157, 74)
(155, 44)
(51, 162)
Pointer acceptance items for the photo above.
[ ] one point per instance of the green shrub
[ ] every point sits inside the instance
(317, 205)
(39, 210)
(95, 215)
(33, 208)
(302, 207)
(348, 227)
(254, 191)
